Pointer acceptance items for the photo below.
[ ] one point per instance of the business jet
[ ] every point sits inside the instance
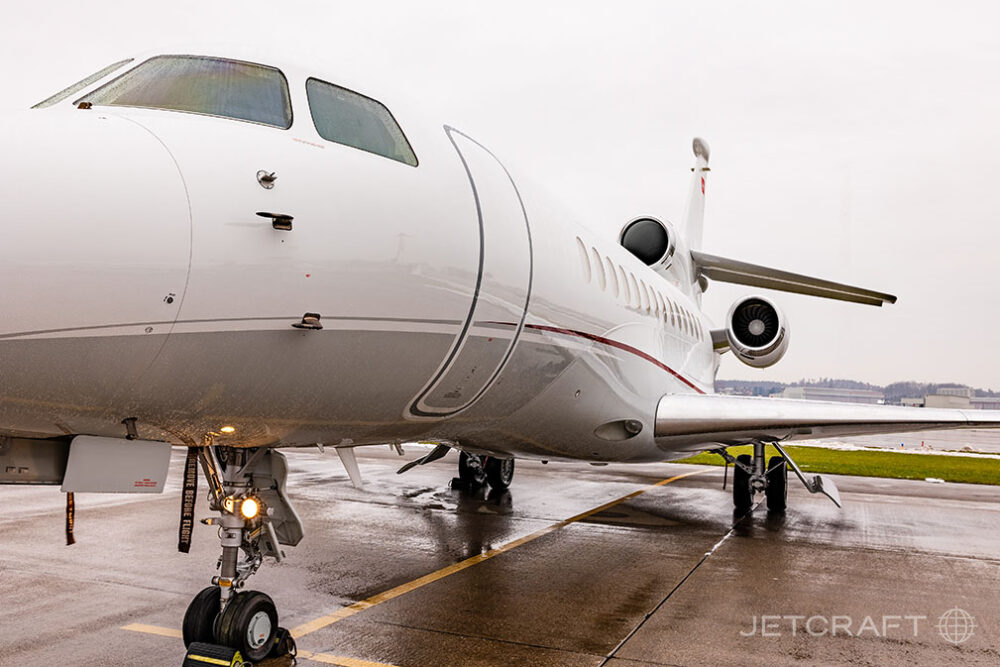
(239, 255)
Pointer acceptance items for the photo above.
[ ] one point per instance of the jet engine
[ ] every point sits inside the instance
(757, 331)
(651, 240)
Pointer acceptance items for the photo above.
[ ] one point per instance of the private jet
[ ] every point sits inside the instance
(237, 254)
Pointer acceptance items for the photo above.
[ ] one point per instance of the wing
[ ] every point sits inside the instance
(692, 422)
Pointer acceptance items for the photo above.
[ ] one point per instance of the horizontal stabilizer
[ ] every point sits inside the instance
(743, 273)
(696, 422)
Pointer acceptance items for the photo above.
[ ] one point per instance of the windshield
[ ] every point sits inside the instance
(347, 118)
(81, 84)
(195, 84)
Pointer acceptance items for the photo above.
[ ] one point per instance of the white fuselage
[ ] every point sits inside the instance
(139, 281)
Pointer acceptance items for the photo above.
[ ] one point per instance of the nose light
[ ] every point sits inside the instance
(249, 508)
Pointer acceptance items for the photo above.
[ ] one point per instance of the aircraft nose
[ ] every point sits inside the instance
(97, 231)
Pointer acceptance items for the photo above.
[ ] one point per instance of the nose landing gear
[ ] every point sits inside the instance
(255, 518)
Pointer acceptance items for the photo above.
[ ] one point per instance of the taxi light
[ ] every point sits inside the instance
(249, 508)
(228, 429)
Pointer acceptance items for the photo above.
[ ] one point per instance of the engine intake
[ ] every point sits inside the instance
(651, 240)
(757, 332)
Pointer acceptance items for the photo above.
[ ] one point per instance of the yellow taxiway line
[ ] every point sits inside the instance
(343, 661)
(402, 589)
(385, 596)
(154, 630)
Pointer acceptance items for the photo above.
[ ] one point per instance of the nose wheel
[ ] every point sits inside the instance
(247, 489)
(249, 624)
(199, 619)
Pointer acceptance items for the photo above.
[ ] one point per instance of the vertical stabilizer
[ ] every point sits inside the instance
(695, 216)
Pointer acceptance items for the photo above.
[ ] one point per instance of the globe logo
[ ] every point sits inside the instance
(956, 626)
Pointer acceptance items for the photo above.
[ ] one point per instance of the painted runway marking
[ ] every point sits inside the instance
(154, 630)
(385, 596)
(341, 660)
(324, 658)
(610, 656)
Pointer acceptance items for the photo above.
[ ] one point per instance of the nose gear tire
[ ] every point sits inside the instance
(199, 619)
(249, 624)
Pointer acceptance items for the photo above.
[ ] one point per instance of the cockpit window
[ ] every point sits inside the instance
(347, 118)
(80, 85)
(196, 84)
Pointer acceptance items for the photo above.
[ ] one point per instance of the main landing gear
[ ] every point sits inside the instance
(750, 476)
(247, 488)
(476, 471)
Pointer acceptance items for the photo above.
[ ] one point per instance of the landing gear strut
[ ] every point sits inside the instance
(475, 471)
(750, 476)
(255, 518)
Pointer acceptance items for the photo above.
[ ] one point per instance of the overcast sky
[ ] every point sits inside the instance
(856, 141)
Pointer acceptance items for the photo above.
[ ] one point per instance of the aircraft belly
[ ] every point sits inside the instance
(299, 388)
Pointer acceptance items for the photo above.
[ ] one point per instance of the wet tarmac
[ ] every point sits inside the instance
(409, 572)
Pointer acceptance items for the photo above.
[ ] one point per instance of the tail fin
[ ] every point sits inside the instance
(695, 216)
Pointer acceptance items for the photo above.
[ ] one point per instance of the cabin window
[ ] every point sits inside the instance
(345, 117)
(599, 269)
(81, 84)
(612, 276)
(635, 301)
(584, 259)
(208, 86)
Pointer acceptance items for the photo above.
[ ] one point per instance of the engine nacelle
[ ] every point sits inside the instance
(652, 241)
(757, 331)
